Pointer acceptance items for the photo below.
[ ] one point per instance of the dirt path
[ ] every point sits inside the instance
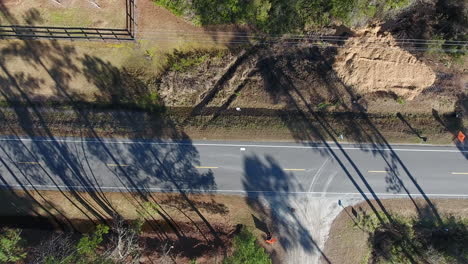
(165, 29)
(302, 224)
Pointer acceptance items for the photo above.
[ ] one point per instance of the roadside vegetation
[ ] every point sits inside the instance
(247, 250)
(407, 232)
(128, 228)
(408, 240)
(274, 16)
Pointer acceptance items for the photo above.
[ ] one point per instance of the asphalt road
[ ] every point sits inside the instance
(234, 167)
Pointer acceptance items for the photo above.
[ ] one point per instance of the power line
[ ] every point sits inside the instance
(316, 40)
(286, 36)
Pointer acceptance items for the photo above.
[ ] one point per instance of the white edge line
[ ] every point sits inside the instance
(220, 191)
(234, 145)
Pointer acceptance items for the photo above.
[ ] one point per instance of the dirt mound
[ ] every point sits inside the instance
(371, 61)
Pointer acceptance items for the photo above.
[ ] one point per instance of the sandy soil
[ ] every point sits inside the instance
(368, 66)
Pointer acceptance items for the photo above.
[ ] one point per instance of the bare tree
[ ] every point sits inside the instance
(58, 246)
(124, 246)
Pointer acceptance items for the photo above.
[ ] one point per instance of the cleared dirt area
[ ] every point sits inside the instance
(371, 62)
(212, 89)
(67, 13)
(186, 222)
(347, 243)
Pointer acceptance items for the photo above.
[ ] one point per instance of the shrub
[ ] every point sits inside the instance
(279, 16)
(11, 249)
(246, 250)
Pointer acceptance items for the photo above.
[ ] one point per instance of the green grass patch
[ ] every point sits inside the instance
(177, 7)
(182, 61)
(274, 16)
(185, 63)
(247, 250)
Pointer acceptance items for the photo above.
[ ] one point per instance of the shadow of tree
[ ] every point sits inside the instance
(280, 79)
(424, 237)
(76, 168)
(430, 20)
(269, 190)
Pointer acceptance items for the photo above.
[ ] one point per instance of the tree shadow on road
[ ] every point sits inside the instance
(280, 78)
(77, 168)
(272, 192)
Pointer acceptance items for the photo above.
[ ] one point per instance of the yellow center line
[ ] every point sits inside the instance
(377, 171)
(117, 165)
(294, 169)
(28, 162)
(204, 167)
(460, 173)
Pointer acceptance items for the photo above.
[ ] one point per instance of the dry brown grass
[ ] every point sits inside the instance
(171, 218)
(77, 13)
(227, 209)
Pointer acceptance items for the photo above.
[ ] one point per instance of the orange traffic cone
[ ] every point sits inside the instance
(461, 137)
(269, 239)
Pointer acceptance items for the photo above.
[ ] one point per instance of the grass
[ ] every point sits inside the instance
(364, 239)
(71, 16)
(154, 211)
(177, 7)
(111, 14)
(247, 250)
(230, 210)
(279, 16)
(184, 63)
(270, 125)
(182, 60)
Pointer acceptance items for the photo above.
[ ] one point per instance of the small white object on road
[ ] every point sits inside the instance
(242, 149)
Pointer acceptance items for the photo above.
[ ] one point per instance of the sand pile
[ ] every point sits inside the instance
(371, 61)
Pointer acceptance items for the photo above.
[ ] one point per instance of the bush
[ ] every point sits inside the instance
(405, 240)
(279, 16)
(246, 250)
(86, 251)
(11, 249)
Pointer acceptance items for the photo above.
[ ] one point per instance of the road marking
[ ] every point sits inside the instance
(117, 165)
(378, 171)
(294, 169)
(242, 149)
(325, 187)
(318, 174)
(204, 167)
(460, 173)
(238, 145)
(155, 189)
(28, 162)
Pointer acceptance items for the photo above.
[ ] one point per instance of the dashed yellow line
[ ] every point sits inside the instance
(117, 165)
(205, 167)
(294, 169)
(460, 173)
(377, 171)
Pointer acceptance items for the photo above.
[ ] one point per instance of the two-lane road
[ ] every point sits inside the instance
(233, 167)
